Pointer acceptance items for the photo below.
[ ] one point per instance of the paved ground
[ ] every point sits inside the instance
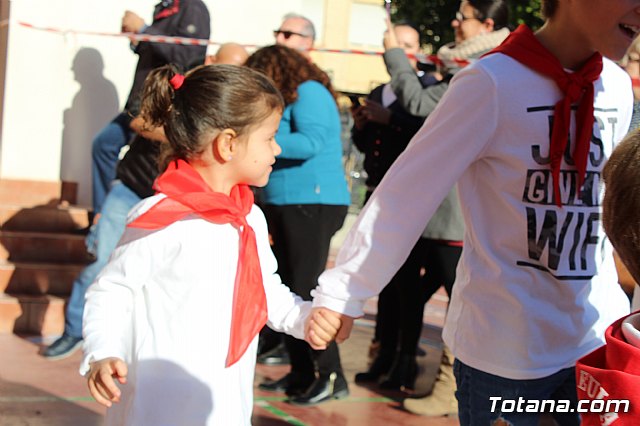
(38, 392)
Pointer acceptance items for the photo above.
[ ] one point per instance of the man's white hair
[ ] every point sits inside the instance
(309, 29)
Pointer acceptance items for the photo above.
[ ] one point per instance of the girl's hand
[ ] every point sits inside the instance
(101, 380)
(322, 327)
(325, 325)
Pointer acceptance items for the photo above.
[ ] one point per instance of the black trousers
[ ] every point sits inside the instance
(430, 265)
(301, 236)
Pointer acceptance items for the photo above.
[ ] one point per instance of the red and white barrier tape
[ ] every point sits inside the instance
(429, 59)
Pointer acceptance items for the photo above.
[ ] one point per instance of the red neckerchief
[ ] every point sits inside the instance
(172, 8)
(611, 372)
(187, 193)
(524, 47)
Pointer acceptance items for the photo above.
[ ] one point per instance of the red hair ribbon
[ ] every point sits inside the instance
(176, 81)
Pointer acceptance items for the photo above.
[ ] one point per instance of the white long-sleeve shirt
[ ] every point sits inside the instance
(536, 284)
(163, 305)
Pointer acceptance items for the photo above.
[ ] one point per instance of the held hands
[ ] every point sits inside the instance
(101, 380)
(325, 325)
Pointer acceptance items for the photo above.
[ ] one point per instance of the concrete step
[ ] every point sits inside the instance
(29, 193)
(38, 278)
(41, 247)
(28, 314)
(55, 218)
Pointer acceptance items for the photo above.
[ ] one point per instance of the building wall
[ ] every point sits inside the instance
(55, 91)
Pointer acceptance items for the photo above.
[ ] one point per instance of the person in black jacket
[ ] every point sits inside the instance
(382, 129)
(179, 18)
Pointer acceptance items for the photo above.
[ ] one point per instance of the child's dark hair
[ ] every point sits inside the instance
(211, 97)
(549, 8)
(621, 205)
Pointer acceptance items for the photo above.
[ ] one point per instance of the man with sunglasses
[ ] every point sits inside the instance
(296, 32)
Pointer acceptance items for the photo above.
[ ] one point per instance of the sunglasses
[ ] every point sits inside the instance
(461, 18)
(287, 34)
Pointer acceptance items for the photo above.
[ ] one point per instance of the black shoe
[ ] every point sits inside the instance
(402, 375)
(63, 347)
(292, 384)
(276, 356)
(380, 366)
(325, 388)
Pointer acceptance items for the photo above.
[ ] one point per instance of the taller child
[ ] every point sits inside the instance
(536, 284)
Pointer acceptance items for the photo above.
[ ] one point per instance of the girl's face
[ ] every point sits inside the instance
(465, 24)
(606, 26)
(258, 152)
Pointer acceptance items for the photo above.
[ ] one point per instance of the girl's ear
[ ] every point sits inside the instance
(224, 145)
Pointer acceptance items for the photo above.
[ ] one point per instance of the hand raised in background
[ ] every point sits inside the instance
(131, 22)
(389, 40)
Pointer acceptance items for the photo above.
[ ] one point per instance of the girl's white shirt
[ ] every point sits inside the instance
(163, 305)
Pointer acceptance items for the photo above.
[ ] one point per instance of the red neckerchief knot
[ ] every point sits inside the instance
(524, 47)
(187, 193)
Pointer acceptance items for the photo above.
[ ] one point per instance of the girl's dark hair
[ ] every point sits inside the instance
(288, 68)
(498, 10)
(212, 97)
(549, 8)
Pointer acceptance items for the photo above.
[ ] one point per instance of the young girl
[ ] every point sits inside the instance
(174, 315)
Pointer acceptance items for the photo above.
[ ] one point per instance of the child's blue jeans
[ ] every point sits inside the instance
(484, 398)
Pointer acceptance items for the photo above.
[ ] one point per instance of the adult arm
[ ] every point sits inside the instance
(193, 22)
(411, 191)
(415, 99)
(144, 129)
(313, 116)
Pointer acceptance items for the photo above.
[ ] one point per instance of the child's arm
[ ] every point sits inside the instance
(287, 312)
(101, 380)
(107, 324)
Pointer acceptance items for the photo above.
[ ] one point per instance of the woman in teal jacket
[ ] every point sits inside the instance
(305, 203)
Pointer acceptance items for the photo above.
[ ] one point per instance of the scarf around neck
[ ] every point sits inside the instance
(523, 46)
(456, 56)
(187, 193)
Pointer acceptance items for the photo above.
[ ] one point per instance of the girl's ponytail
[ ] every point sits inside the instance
(157, 96)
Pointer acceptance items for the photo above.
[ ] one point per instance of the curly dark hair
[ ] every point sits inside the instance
(288, 68)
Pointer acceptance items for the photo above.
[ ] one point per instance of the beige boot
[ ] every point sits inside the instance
(442, 399)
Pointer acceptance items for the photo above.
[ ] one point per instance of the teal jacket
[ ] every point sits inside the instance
(309, 170)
